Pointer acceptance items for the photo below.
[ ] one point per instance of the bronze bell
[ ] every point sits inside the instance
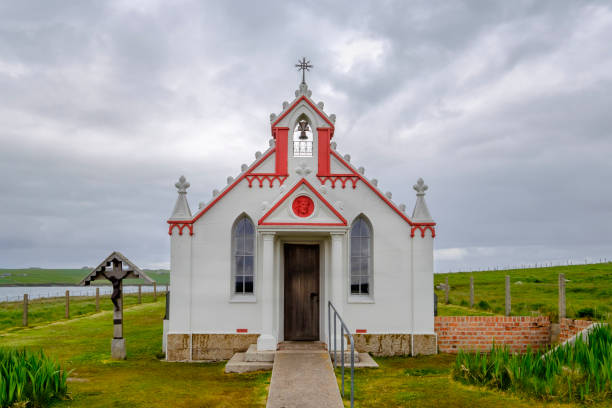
(303, 128)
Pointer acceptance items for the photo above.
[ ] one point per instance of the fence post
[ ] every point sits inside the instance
(561, 296)
(67, 304)
(446, 288)
(471, 291)
(25, 310)
(508, 302)
(166, 289)
(155, 291)
(139, 294)
(97, 300)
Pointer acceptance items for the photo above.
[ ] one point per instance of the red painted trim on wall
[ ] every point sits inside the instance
(343, 178)
(422, 228)
(312, 105)
(269, 177)
(181, 226)
(242, 330)
(303, 181)
(389, 203)
(282, 151)
(324, 157)
(361, 331)
(219, 197)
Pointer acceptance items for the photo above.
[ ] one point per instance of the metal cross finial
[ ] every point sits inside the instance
(303, 65)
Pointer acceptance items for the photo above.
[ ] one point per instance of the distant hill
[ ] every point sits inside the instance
(535, 290)
(39, 276)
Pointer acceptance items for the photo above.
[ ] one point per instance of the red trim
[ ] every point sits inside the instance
(260, 161)
(361, 331)
(220, 196)
(342, 177)
(242, 330)
(423, 227)
(312, 105)
(269, 177)
(324, 158)
(282, 142)
(181, 226)
(319, 196)
(389, 203)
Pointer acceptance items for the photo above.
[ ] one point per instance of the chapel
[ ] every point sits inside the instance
(299, 227)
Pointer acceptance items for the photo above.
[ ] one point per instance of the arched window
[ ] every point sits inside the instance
(361, 257)
(243, 256)
(302, 138)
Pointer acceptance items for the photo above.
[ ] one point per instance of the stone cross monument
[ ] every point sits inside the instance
(116, 268)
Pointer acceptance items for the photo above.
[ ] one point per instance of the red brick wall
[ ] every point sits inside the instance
(570, 327)
(477, 333)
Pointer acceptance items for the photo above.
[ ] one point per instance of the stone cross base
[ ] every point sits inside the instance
(118, 349)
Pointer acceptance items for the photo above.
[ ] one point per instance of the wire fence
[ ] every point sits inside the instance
(48, 292)
(535, 265)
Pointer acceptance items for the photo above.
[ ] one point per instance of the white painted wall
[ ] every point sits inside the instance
(401, 298)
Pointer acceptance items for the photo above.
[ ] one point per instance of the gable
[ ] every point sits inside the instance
(303, 205)
(337, 167)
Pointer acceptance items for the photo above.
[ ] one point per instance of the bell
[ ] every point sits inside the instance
(303, 127)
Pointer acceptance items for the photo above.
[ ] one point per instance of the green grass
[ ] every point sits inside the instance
(535, 291)
(83, 345)
(573, 372)
(40, 276)
(43, 311)
(426, 382)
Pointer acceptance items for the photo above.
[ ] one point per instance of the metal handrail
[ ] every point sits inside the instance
(343, 328)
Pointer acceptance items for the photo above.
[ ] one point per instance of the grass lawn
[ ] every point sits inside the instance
(425, 381)
(533, 291)
(43, 311)
(40, 276)
(83, 345)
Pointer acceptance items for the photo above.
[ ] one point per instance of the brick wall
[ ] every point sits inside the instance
(477, 333)
(570, 327)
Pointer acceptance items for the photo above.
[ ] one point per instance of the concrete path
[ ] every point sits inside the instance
(303, 378)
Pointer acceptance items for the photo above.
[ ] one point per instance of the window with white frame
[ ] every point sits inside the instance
(361, 257)
(243, 256)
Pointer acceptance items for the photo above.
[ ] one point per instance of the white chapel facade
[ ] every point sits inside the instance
(299, 227)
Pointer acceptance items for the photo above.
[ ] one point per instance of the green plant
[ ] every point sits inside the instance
(30, 377)
(484, 305)
(573, 372)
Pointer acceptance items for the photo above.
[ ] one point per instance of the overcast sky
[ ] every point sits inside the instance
(504, 108)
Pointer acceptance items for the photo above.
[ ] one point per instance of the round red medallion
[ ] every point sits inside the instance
(303, 206)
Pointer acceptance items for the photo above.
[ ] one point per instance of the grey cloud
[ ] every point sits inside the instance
(501, 107)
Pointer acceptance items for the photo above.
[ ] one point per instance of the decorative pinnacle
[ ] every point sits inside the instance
(303, 65)
(420, 187)
(182, 185)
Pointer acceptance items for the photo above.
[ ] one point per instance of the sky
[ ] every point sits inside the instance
(504, 108)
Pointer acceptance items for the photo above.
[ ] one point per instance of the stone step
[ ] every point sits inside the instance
(347, 357)
(301, 345)
(252, 355)
(238, 364)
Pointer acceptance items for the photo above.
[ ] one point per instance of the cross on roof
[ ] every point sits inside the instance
(303, 65)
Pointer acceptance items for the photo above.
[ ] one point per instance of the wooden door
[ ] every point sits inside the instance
(301, 292)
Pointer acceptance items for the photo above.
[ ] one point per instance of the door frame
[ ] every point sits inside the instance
(324, 243)
(316, 249)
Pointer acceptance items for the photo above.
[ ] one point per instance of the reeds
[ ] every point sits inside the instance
(573, 372)
(30, 377)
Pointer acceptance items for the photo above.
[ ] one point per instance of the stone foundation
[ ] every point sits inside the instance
(208, 347)
(394, 344)
(425, 344)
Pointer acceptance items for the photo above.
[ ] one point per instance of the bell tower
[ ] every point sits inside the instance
(302, 131)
